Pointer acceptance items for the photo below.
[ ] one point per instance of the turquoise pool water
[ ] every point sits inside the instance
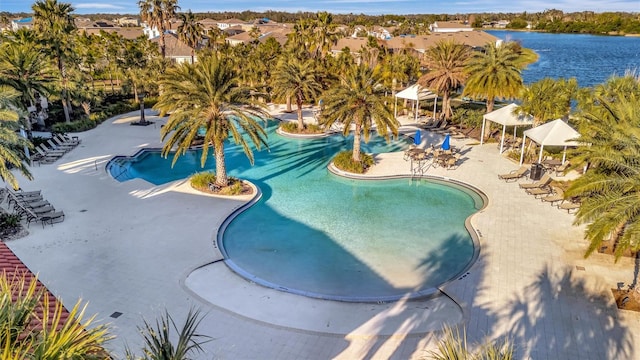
(321, 235)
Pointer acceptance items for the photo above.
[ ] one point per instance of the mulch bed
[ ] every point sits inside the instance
(626, 300)
(13, 233)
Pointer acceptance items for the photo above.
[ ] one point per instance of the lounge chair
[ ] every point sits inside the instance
(514, 175)
(433, 125)
(55, 146)
(67, 140)
(50, 217)
(541, 191)
(45, 151)
(558, 195)
(562, 168)
(543, 182)
(441, 128)
(569, 205)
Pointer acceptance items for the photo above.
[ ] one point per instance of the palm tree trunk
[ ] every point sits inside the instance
(192, 56)
(63, 75)
(356, 142)
(446, 106)
(288, 105)
(162, 44)
(221, 170)
(487, 129)
(300, 120)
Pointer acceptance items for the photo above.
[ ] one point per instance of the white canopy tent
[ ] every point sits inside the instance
(506, 117)
(553, 133)
(416, 93)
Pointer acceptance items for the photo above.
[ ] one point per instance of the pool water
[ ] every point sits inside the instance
(321, 235)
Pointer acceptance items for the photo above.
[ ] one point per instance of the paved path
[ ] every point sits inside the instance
(133, 247)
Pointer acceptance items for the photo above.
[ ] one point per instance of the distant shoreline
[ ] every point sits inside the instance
(559, 33)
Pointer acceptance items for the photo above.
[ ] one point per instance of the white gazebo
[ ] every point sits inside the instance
(415, 93)
(553, 133)
(505, 116)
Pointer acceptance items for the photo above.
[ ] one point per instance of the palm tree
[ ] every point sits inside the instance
(296, 78)
(447, 61)
(190, 31)
(494, 73)
(157, 13)
(610, 189)
(25, 69)
(358, 102)
(548, 99)
(12, 146)
(55, 338)
(325, 36)
(205, 95)
(54, 22)
(157, 339)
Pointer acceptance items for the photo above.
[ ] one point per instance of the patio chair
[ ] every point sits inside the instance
(558, 195)
(543, 182)
(541, 191)
(569, 205)
(55, 146)
(514, 175)
(441, 128)
(51, 153)
(50, 217)
(433, 125)
(62, 142)
(69, 139)
(562, 168)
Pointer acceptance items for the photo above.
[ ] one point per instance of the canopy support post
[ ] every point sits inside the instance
(524, 140)
(504, 128)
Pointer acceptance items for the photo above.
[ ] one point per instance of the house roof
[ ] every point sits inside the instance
(353, 44)
(232, 21)
(14, 269)
(174, 47)
(450, 25)
(423, 42)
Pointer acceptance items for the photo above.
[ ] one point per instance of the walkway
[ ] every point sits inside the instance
(131, 248)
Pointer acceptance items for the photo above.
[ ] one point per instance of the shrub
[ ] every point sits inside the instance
(292, 127)
(201, 181)
(74, 126)
(344, 162)
(9, 221)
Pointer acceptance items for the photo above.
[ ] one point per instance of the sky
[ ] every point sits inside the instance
(370, 7)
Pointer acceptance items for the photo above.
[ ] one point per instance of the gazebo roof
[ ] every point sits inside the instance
(416, 92)
(554, 133)
(505, 116)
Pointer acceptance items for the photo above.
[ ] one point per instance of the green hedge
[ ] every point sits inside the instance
(292, 128)
(344, 162)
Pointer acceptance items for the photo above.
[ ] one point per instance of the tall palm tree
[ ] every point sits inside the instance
(358, 102)
(610, 189)
(325, 35)
(157, 13)
(548, 99)
(296, 78)
(190, 31)
(27, 70)
(494, 73)
(205, 95)
(54, 22)
(447, 61)
(12, 146)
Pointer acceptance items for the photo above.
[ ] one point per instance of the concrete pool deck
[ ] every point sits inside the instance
(133, 247)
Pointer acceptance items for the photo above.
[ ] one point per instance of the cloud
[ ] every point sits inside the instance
(101, 6)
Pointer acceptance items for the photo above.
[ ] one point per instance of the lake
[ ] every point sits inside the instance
(591, 59)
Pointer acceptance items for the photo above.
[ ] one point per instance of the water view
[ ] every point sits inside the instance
(591, 59)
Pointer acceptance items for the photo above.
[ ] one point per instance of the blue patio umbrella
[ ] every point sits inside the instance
(416, 138)
(445, 143)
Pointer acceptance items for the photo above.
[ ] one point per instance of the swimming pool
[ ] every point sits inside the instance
(325, 236)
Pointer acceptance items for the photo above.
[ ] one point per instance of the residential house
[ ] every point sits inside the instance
(128, 21)
(449, 26)
(175, 49)
(223, 24)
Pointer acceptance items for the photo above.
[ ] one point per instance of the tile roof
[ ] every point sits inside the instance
(15, 269)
